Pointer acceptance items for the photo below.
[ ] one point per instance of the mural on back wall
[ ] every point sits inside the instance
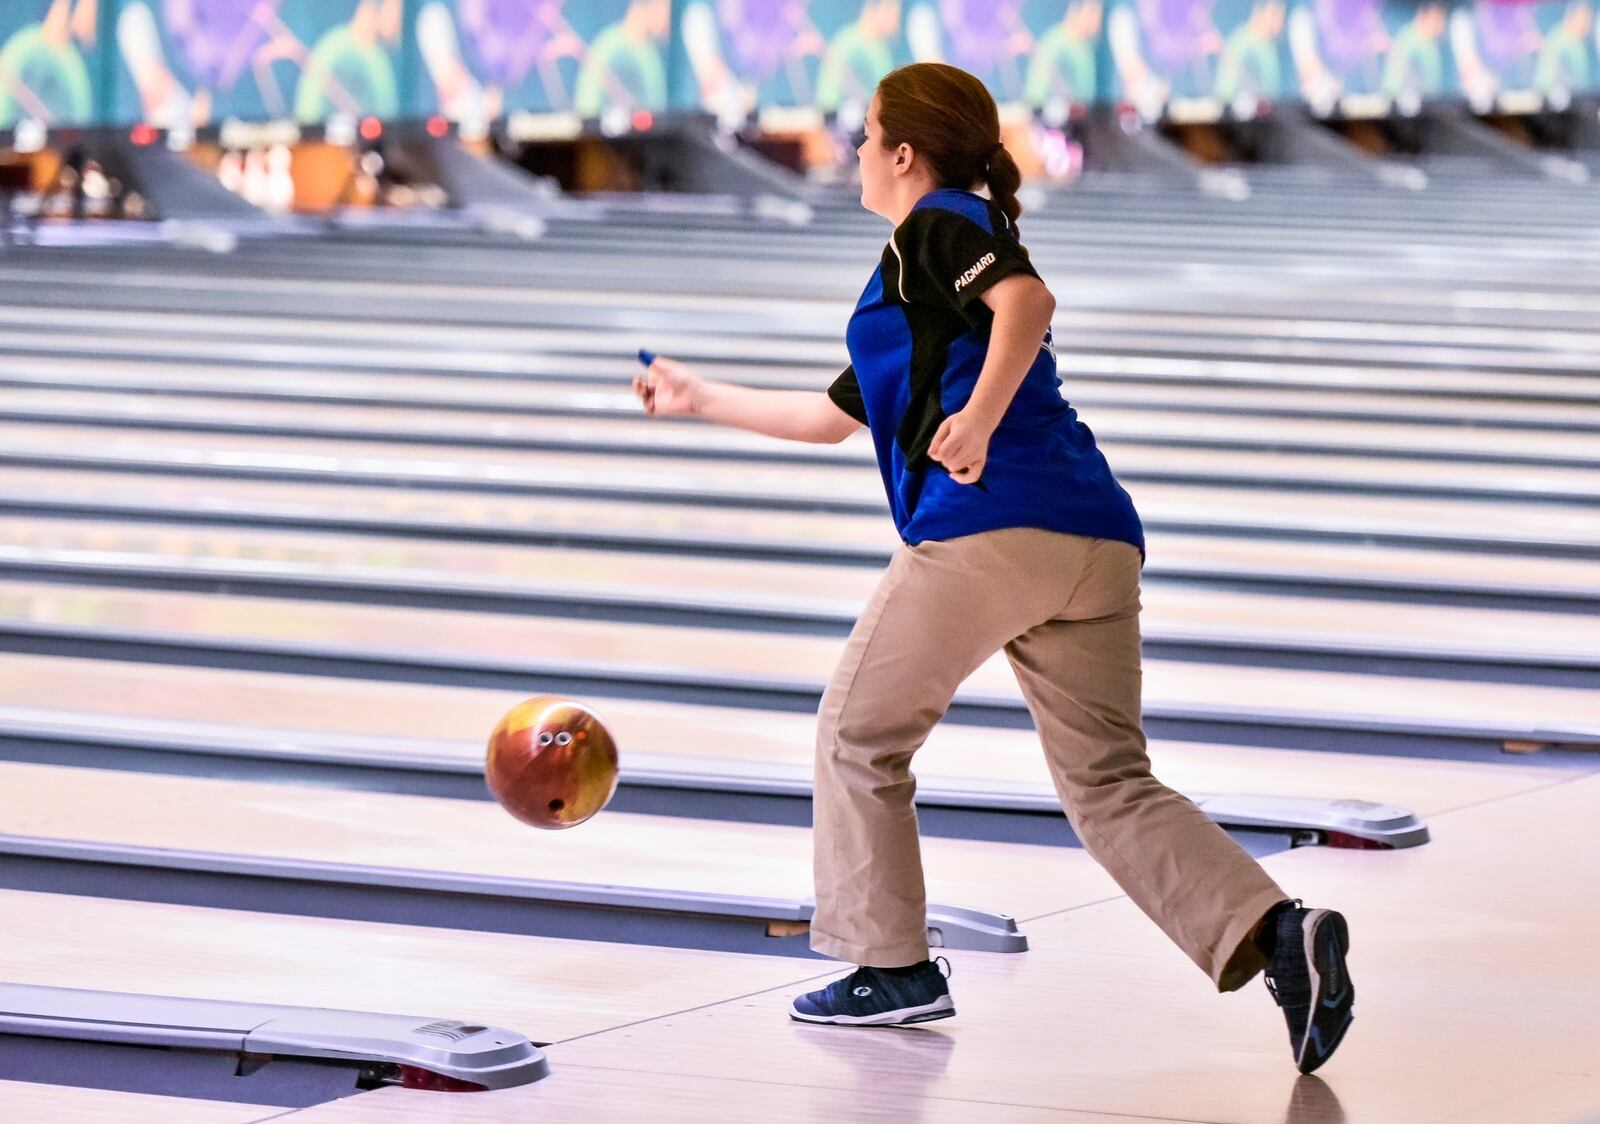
(811, 58)
(192, 63)
(988, 38)
(1521, 57)
(1362, 58)
(482, 59)
(49, 62)
(1064, 69)
(816, 56)
(1196, 60)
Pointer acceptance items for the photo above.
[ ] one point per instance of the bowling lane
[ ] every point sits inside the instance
(529, 380)
(630, 307)
(1136, 438)
(826, 595)
(1368, 303)
(618, 1092)
(63, 1104)
(369, 293)
(555, 357)
(1325, 375)
(462, 564)
(1103, 248)
(248, 334)
(452, 464)
(1197, 506)
(602, 359)
(1451, 1027)
(1174, 553)
(391, 721)
(825, 263)
(1295, 331)
(546, 988)
(478, 838)
(434, 510)
(622, 310)
(604, 651)
(584, 386)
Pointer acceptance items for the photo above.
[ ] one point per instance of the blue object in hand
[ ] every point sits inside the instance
(646, 357)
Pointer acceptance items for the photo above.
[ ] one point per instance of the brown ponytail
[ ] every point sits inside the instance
(949, 119)
(1003, 178)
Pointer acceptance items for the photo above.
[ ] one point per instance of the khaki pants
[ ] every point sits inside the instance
(1066, 610)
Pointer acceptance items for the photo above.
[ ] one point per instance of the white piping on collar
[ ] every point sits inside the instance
(900, 274)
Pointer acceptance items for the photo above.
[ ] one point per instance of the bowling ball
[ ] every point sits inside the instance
(551, 762)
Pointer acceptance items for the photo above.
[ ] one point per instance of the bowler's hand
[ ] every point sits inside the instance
(962, 446)
(666, 388)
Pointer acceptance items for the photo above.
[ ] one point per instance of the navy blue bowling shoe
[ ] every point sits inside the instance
(880, 997)
(1307, 977)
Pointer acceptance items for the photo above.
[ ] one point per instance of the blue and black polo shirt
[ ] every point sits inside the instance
(917, 342)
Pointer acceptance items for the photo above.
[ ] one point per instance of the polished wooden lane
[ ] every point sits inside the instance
(1121, 431)
(1258, 502)
(22, 1101)
(1297, 332)
(590, 387)
(454, 722)
(1472, 1007)
(546, 988)
(822, 285)
(616, 493)
(590, 648)
(255, 336)
(542, 380)
(1290, 330)
(436, 508)
(590, 1093)
(835, 594)
(473, 518)
(477, 838)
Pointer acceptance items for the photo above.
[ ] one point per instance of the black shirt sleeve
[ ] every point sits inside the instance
(949, 259)
(846, 394)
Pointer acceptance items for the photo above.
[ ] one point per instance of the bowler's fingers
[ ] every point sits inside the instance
(645, 388)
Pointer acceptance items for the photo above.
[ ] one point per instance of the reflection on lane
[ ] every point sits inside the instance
(396, 719)
(423, 634)
(832, 591)
(617, 423)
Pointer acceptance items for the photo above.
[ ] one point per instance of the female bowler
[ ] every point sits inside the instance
(1016, 538)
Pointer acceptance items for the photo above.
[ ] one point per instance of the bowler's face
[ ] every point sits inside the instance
(877, 165)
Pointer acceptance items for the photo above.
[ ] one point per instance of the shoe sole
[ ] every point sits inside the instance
(1327, 940)
(941, 1008)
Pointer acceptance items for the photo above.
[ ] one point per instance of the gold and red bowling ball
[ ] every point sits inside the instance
(551, 762)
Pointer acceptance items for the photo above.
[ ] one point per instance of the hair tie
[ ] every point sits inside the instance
(991, 152)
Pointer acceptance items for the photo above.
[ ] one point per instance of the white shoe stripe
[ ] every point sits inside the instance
(943, 1003)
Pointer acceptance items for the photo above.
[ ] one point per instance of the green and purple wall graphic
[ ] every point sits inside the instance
(1196, 60)
(190, 64)
(478, 60)
(1363, 58)
(821, 56)
(194, 63)
(51, 63)
(1522, 57)
(1043, 54)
